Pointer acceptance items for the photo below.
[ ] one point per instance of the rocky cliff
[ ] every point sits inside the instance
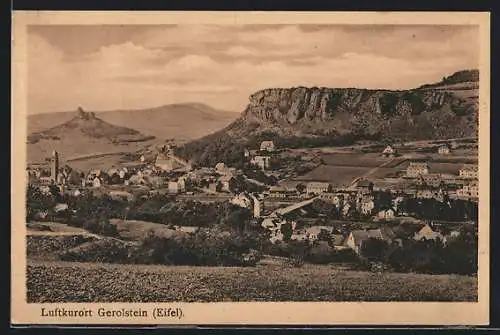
(308, 117)
(301, 111)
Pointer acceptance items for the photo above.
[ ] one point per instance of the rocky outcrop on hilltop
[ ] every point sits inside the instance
(320, 116)
(326, 111)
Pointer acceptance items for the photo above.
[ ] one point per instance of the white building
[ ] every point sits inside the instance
(388, 151)
(96, 182)
(317, 187)
(261, 161)
(468, 172)
(416, 169)
(267, 146)
(470, 190)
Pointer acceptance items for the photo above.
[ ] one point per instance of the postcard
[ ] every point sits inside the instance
(250, 168)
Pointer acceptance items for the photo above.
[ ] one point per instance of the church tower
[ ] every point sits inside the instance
(54, 166)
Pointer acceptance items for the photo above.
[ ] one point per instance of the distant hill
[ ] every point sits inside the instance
(320, 116)
(84, 133)
(186, 121)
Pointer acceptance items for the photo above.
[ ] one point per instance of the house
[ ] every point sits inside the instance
(388, 151)
(416, 169)
(261, 161)
(267, 146)
(428, 193)
(386, 214)
(256, 206)
(148, 157)
(470, 190)
(346, 208)
(219, 167)
(176, 186)
(212, 188)
(317, 187)
(468, 172)
(444, 149)
(426, 233)
(338, 241)
(278, 192)
(356, 238)
(431, 179)
(367, 205)
(314, 231)
(226, 181)
(364, 186)
(335, 198)
(242, 200)
(96, 182)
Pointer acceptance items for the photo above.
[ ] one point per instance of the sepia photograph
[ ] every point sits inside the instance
(250, 158)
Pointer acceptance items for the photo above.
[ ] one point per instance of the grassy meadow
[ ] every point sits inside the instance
(51, 282)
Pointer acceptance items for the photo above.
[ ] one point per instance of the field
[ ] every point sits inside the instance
(337, 175)
(51, 282)
(354, 159)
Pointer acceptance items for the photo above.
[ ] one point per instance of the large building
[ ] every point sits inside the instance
(469, 172)
(416, 169)
(317, 187)
(470, 190)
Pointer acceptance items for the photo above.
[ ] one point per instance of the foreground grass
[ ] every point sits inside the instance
(57, 281)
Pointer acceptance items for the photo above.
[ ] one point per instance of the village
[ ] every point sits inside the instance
(276, 203)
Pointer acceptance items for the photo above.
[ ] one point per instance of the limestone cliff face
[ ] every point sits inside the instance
(322, 111)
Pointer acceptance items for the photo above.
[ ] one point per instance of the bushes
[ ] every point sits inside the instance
(104, 250)
(101, 226)
(209, 248)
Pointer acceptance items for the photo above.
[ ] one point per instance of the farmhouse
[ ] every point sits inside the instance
(267, 146)
(261, 161)
(416, 169)
(317, 187)
(468, 172)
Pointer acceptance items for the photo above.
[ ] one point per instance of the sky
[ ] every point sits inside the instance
(107, 67)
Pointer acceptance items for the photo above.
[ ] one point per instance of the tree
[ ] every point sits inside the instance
(301, 188)
(324, 235)
(218, 186)
(373, 249)
(287, 230)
